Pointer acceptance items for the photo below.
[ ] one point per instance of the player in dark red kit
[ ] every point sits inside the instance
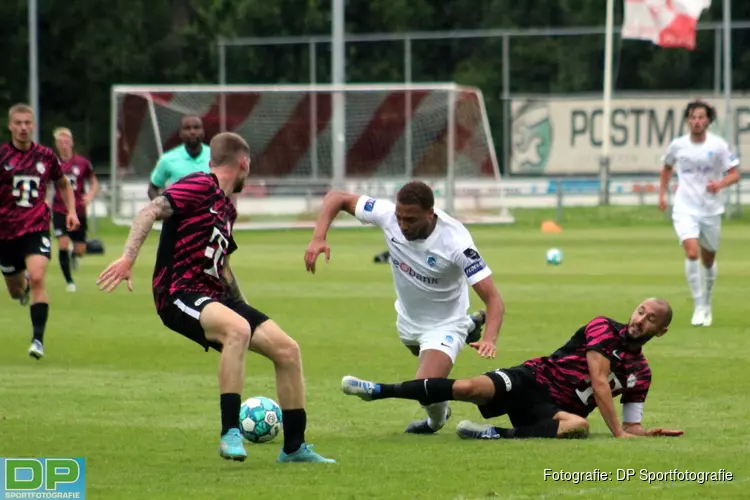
(25, 170)
(197, 295)
(79, 172)
(551, 396)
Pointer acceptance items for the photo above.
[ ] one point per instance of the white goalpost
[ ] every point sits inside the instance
(438, 133)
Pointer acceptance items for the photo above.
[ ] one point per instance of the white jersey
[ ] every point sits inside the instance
(697, 164)
(431, 276)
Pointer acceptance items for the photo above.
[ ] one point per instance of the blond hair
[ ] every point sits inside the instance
(61, 131)
(227, 148)
(20, 108)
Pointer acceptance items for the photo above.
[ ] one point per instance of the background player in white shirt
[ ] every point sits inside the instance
(433, 257)
(704, 166)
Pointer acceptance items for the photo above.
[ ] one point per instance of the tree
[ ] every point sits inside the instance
(89, 45)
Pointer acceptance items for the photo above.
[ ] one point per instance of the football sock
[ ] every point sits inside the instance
(710, 275)
(39, 313)
(693, 274)
(295, 422)
(542, 429)
(427, 391)
(64, 256)
(437, 414)
(230, 411)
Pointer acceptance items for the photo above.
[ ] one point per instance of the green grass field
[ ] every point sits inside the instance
(140, 403)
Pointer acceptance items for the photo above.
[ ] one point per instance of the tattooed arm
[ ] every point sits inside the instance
(159, 209)
(230, 284)
(122, 269)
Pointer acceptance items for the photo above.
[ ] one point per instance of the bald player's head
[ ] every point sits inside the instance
(650, 319)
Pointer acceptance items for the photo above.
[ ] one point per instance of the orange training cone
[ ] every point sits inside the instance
(549, 226)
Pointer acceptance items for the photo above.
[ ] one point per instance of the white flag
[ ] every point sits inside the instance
(667, 23)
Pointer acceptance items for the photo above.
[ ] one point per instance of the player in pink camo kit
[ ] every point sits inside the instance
(26, 169)
(551, 396)
(78, 170)
(197, 295)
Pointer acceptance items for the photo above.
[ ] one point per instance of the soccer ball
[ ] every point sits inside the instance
(260, 419)
(554, 257)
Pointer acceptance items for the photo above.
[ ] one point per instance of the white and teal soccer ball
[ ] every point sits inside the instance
(554, 256)
(260, 419)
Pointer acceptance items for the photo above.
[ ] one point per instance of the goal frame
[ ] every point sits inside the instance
(452, 89)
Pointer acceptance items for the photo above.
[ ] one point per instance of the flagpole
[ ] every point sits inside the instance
(604, 164)
(338, 77)
(727, 27)
(34, 66)
(728, 118)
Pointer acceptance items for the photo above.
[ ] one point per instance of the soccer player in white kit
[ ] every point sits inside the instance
(433, 260)
(704, 166)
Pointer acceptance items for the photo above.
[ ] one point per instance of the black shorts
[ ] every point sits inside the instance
(518, 395)
(13, 252)
(183, 311)
(61, 229)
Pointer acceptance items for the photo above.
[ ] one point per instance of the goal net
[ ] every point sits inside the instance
(306, 140)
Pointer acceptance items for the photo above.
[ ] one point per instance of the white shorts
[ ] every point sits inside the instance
(449, 338)
(706, 229)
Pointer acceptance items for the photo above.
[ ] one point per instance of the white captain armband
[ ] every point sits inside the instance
(632, 413)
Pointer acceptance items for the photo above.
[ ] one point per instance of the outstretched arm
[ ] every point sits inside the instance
(333, 203)
(158, 209)
(121, 269)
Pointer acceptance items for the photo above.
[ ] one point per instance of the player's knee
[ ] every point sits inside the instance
(573, 426)
(287, 353)
(237, 334)
(36, 279)
(691, 252)
(580, 424)
(462, 389)
(469, 390)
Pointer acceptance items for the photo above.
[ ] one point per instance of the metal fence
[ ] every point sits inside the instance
(320, 44)
(312, 55)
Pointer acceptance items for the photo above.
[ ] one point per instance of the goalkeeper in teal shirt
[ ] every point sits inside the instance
(191, 156)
